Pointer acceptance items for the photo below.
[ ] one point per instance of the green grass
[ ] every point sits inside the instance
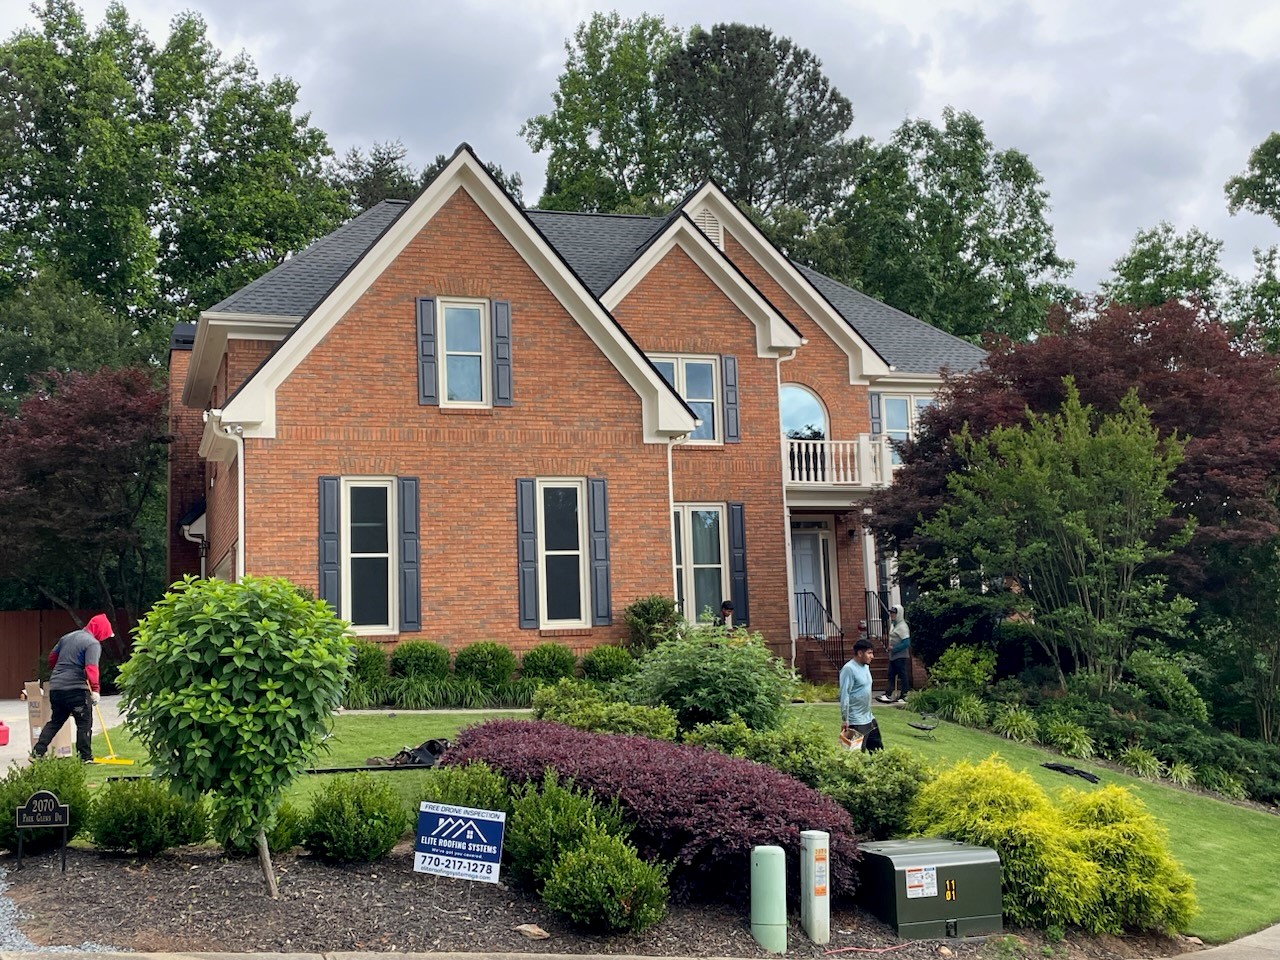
(1228, 849)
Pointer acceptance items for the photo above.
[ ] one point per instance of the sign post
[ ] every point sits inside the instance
(41, 812)
(462, 842)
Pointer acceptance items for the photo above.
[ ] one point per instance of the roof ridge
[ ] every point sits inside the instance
(590, 213)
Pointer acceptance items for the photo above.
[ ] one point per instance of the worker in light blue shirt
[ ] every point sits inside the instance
(855, 697)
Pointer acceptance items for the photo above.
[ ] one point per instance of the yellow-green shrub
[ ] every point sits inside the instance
(1143, 887)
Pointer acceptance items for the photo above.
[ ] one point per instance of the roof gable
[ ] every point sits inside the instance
(664, 414)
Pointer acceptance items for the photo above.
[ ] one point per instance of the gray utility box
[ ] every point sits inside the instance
(929, 888)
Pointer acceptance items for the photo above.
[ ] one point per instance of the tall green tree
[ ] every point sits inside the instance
(613, 144)
(755, 112)
(1163, 265)
(947, 228)
(1067, 507)
(1257, 189)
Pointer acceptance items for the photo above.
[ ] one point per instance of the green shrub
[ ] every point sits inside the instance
(547, 663)
(1142, 886)
(420, 659)
(1045, 880)
(1016, 723)
(1181, 773)
(1218, 780)
(355, 818)
(576, 703)
(878, 789)
(370, 665)
(710, 674)
(970, 711)
(1069, 737)
(607, 663)
(969, 669)
(602, 884)
(1166, 685)
(938, 701)
(490, 664)
(471, 785)
(801, 750)
(144, 817)
(65, 779)
(650, 620)
(805, 692)
(1142, 762)
(286, 832)
(550, 818)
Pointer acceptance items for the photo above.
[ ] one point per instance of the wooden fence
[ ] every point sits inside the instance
(27, 636)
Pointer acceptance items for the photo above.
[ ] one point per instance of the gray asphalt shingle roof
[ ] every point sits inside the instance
(598, 248)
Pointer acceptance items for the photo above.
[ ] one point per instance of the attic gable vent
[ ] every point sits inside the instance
(708, 224)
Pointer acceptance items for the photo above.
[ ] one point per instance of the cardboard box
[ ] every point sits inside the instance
(39, 712)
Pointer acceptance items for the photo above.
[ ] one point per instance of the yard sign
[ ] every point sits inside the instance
(461, 842)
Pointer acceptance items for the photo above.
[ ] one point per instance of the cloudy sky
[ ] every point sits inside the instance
(1133, 112)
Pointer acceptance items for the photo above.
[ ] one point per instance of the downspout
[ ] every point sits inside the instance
(235, 433)
(792, 622)
(671, 504)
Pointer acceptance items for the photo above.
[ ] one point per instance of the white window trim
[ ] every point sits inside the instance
(913, 414)
(717, 392)
(686, 511)
(584, 582)
(393, 598)
(486, 352)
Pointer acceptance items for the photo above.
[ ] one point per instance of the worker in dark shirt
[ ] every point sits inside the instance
(74, 687)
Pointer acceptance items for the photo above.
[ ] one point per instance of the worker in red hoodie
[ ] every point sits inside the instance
(74, 689)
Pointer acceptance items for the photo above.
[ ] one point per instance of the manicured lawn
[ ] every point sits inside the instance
(1228, 849)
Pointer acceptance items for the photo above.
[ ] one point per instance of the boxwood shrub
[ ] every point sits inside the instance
(696, 809)
(355, 818)
(576, 703)
(549, 818)
(144, 817)
(419, 659)
(489, 664)
(607, 663)
(286, 832)
(65, 779)
(602, 884)
(547, 663)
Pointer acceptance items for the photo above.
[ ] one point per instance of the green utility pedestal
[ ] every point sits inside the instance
(930, 888)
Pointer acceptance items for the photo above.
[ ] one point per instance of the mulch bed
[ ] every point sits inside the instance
(195, 899)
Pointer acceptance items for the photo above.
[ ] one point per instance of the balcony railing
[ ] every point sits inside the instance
(865, 462)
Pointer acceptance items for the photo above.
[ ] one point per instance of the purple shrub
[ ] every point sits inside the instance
(696, 809)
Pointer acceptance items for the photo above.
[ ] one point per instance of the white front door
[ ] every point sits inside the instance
(806, 555)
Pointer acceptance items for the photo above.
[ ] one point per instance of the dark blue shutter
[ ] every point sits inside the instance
(330, 543)
(598, 529)
(428, 379)
(729, 366)
(410, 555)
(527, 552)
(501, 312)
(738, 564)
(877, 422)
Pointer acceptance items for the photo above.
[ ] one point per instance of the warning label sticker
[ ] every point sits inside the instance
(922, 882)
(820, 872)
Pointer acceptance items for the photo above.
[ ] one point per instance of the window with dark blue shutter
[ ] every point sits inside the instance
(502, 387)
(330, 542)
(598, 532)
(527, 551)
(729, 373)
(738, 564)
(428, 382)
(409, 555)
(877, 421)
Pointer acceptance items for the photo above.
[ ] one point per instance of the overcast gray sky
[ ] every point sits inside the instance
(1134, 111)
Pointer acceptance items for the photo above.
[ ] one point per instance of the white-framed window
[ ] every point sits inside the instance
(902, 417)
(465, 353)
(701, 551)
(697, 380)
(563, 556)
(368, 554)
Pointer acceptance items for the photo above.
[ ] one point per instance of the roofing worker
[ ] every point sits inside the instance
(73, 685)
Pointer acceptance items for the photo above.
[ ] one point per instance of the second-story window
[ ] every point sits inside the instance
(465, 348)
(697, 380)
(902, 418)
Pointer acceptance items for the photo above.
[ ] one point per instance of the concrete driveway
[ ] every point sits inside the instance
(14, 715)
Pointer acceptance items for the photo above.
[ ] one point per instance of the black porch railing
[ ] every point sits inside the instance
(814, 621)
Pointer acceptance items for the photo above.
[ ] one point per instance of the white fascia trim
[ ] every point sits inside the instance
(774, 335)
(864, 362)
(214, 442)
(212, 333)
(907, 383)
(664, 415)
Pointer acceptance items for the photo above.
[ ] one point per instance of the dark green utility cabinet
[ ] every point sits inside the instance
(931, 888)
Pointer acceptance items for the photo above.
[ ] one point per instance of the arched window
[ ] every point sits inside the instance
(802, 413)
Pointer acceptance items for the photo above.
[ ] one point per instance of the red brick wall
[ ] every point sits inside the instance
(351, 408)
(676, 308)
(186, 469)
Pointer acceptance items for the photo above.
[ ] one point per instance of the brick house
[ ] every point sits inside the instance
(460, 420)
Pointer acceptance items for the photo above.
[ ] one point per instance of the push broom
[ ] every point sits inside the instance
(111, 751)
